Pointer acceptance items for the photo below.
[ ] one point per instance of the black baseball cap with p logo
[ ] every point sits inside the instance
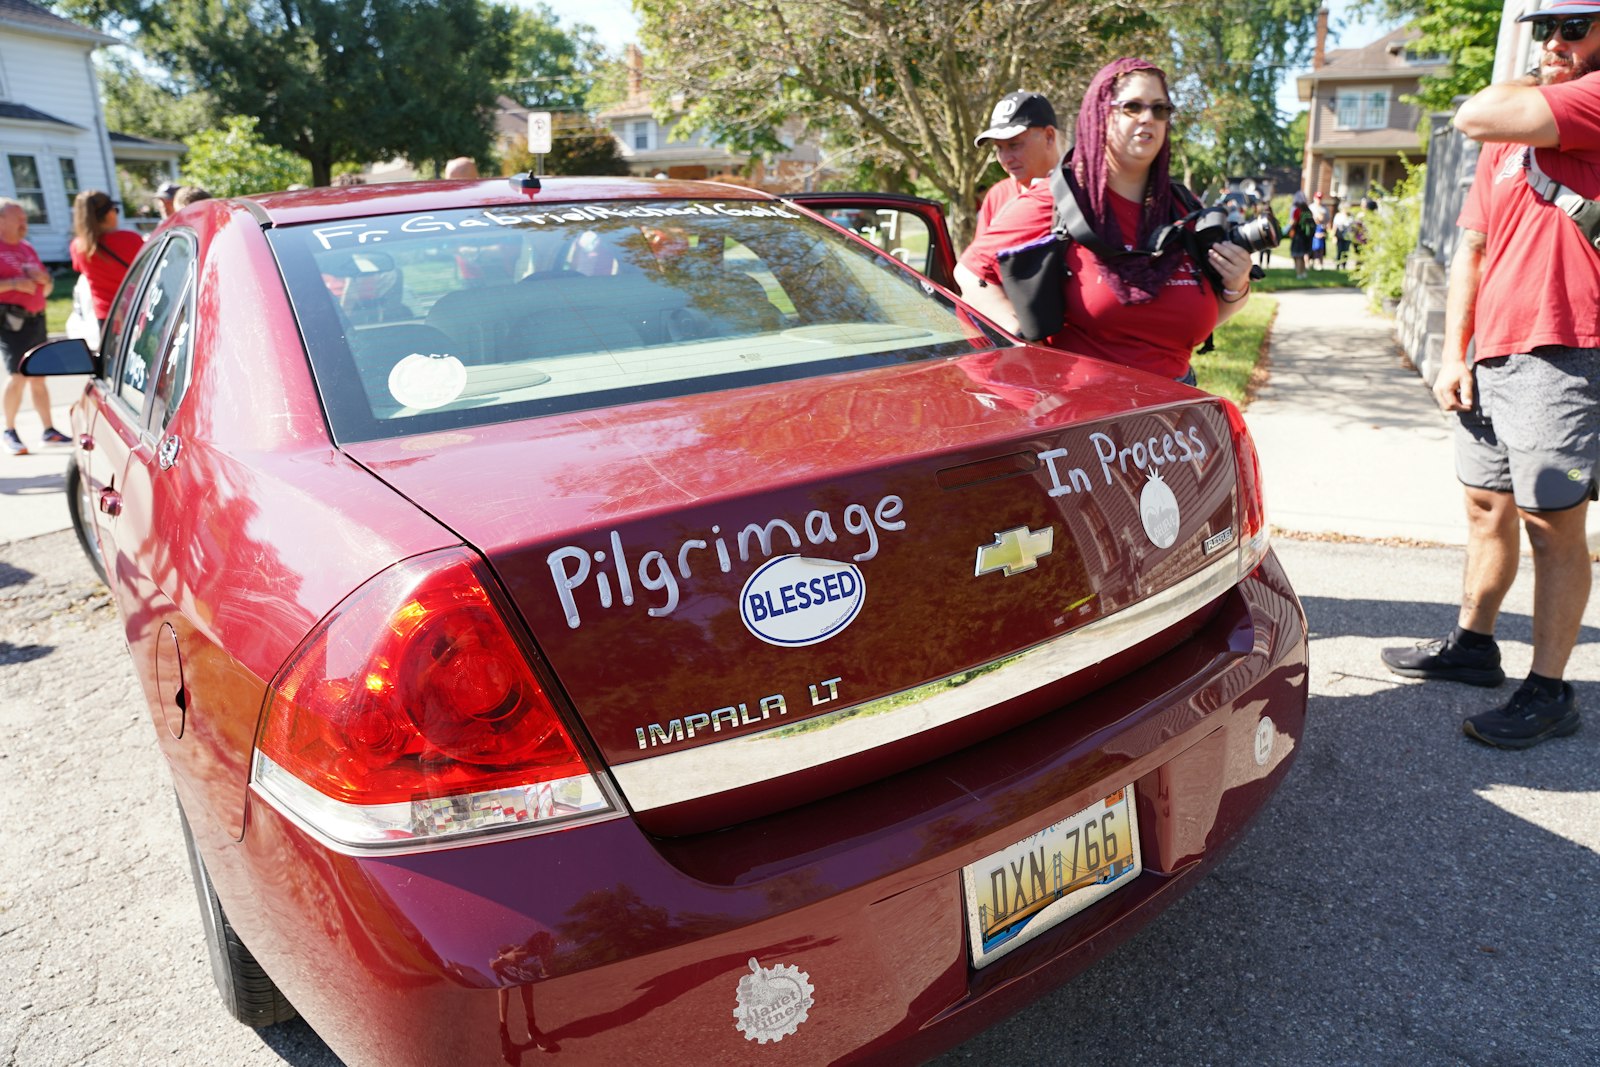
(1016, 112)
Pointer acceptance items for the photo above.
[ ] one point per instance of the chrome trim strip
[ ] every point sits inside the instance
(675, 777)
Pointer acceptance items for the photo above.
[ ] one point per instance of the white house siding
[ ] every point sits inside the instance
(53, 75)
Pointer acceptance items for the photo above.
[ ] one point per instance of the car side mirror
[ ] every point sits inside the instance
(70, 355)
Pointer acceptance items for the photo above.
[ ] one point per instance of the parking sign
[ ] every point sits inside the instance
(539, 132)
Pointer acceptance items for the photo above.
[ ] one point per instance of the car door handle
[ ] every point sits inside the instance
(111, 502)
(86, 442)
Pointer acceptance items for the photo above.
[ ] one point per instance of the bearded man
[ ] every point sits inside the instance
(1525, 287)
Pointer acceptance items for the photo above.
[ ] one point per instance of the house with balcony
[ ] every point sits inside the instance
(53, 136)
(1361, 128)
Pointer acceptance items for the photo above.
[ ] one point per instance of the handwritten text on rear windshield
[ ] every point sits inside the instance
(361, 232)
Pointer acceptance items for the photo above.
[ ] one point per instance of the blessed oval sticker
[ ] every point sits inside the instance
(792, 600)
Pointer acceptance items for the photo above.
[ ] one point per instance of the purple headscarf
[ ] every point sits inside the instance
(1134, 279)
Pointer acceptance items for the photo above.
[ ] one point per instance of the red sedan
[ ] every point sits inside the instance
(622, 618)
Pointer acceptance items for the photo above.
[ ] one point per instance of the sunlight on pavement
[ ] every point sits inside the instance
(1574, 816)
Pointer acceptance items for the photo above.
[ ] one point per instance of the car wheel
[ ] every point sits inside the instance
(249, 993)
(82, 511)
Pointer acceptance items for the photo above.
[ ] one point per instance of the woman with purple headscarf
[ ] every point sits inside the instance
(1145, 311)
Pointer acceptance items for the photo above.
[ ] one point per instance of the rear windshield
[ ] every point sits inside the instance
(418, 323)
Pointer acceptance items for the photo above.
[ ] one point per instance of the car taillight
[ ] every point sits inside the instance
(412, 714)
(1251, 509)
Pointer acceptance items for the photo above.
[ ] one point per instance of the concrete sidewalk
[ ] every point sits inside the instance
(1351, 441)
(32, 486)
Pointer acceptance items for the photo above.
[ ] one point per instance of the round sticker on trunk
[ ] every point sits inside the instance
(792, 600)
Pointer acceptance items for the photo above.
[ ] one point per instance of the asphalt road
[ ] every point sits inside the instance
(1408, 897)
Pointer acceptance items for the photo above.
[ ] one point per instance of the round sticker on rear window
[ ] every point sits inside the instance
(795, 601)
(427, 381)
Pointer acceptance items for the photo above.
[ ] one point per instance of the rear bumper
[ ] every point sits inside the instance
(602, 942)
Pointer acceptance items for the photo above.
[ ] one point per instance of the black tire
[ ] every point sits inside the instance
(248, 993)
(82, 510)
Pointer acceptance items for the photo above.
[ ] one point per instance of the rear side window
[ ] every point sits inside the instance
(420, 323)
(143, 328)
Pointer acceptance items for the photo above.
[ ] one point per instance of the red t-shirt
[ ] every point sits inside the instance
(18, 261)
(104, 271)
(999, 195)
(1540, 283)
(1157, 336)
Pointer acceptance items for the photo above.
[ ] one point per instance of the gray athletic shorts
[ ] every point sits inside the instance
(1534, 430)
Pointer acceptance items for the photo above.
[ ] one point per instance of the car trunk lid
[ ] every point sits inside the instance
(705, 572)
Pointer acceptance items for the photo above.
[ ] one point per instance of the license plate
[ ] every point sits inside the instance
(1020, 892)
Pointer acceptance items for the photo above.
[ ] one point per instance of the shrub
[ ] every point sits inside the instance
(1380, 266)
(234, 161)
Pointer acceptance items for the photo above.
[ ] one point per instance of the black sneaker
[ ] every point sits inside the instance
(1448, 661)
(1527, 718)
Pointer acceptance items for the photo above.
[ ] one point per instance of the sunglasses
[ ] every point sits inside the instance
(1134, 108)
(1573, 29)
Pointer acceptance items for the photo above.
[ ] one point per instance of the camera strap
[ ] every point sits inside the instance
(1585, 213)
(1070, 223)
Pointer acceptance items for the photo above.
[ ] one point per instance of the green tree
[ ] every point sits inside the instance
(1463, 31)
(1291, 149)
(145, 105)
(234, 161)
(335, 80)
(551, 68)
(1225, 61)
(889, 83)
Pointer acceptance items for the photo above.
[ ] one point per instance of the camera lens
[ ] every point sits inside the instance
(1257, 235)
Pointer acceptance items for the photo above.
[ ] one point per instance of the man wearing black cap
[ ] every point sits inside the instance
(1022, 129)
(1525, 287)
(164, 197)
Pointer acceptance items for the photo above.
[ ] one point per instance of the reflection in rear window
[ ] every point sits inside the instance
(424, 322)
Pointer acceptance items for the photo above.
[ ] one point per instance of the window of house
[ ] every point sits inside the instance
(30, 191)
(1362, 109)
(639, 135)
(69, 177)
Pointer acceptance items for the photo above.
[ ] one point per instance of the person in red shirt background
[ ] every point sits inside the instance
(1022, 129)
(1525, 290)
(100, 251)
(1148, 312)
(24, 287)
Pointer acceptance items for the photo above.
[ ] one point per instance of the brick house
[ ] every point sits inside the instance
(1360, 126)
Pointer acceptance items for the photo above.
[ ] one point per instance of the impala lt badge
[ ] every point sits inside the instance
(1015, 551)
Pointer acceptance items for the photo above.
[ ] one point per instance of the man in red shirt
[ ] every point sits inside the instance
(24, 287)
(1525, 287)
(1022, 129)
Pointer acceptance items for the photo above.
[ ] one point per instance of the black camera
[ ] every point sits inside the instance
(1210, 226)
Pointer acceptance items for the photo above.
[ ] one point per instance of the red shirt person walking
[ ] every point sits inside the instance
(24, 287)
(100, 251)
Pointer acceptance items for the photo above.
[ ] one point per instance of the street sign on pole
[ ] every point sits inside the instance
(539, 132)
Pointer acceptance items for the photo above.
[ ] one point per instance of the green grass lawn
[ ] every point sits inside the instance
(1240, 342)
(1279, 278)
(59, 306)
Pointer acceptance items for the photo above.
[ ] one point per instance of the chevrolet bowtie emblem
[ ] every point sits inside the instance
(1015, 551)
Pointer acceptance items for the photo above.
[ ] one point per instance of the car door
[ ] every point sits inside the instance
(113, 412)
(910, 228)
(147, 376)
